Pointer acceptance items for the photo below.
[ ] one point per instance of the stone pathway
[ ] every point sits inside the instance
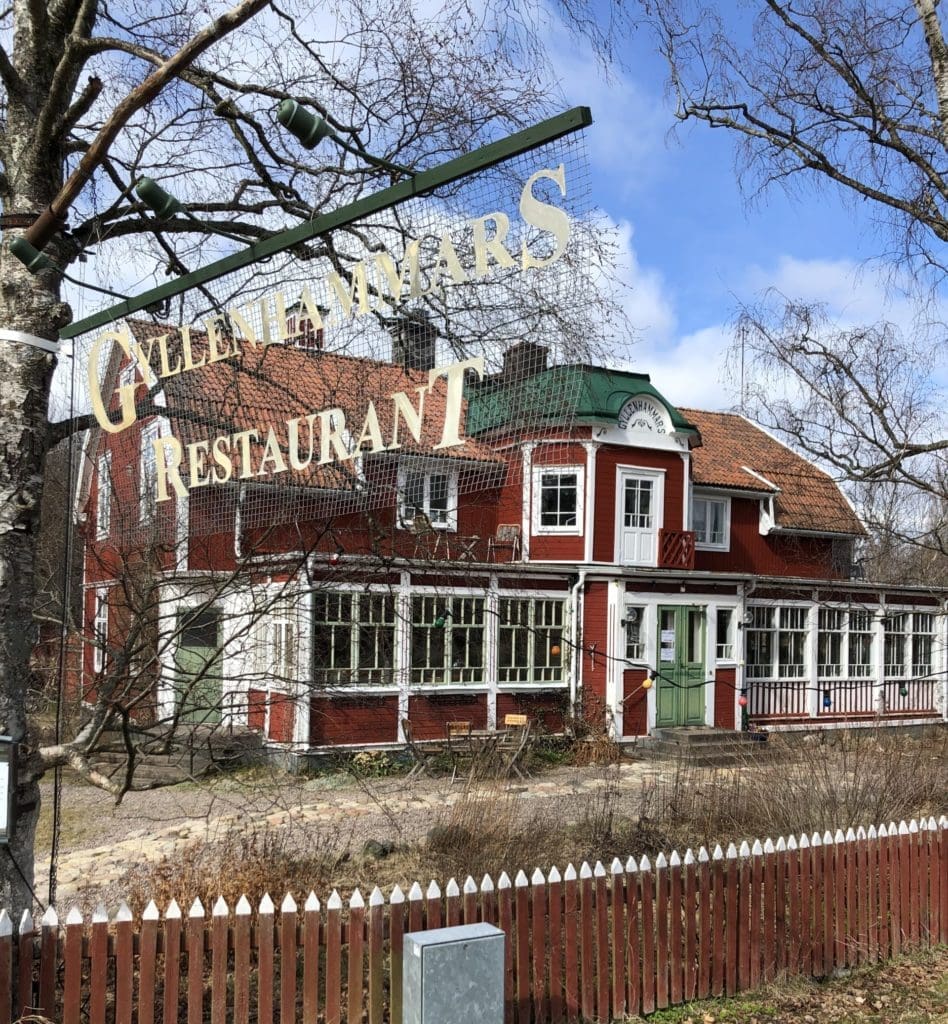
(392, 798)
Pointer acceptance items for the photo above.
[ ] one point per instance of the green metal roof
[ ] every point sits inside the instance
(562, 394)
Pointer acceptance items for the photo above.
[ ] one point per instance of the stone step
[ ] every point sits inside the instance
(687, 736)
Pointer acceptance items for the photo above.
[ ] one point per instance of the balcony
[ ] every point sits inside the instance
(676, 549)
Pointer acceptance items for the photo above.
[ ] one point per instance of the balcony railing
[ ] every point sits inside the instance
(676, 549)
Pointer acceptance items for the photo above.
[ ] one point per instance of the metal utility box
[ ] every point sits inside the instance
(454, 976)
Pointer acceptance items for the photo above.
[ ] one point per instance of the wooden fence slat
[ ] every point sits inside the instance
(220, 921)
(555, 920)
(895, 889)
(780, 909)
(376, 956)
(633, 972)
(646, 896)
(923, 883)
(844, 917)
(704, 924)
(98, 965)
(906, 910)
(432, 906)
(452, 899)
(195, 973)
(617, 938)
(356, 959)
(24, 987)
(571, 942)
(396, 909)
(6, 967)
(914, 875)
(829, 901)
(288, 913)
(769, 930)
(586, 954)
(882, 893)
(862, 896)
(943, 874)
(851, 898)
(718, 922)
(49, 956)
(266, 914)
(489, 901)
(756, 911)
(172, 972)
(661, 929)
(937, 881)
(522, 949)
(541, 1002)
(72, 968)
(690, 927)
(470, 900)
(333, 961)
(147, 964)
(505, 923)
(124, 967)
(416, 910)
(602, 942)
(817, 902)
(311, 959)
(872, 909)
(794, 960)
(732, 913)
(242, 913)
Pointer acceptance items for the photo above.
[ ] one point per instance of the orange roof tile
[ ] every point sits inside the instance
(733, 450)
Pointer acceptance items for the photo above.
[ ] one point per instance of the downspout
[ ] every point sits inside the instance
(741, 713)
(576, 603)
(238, 525)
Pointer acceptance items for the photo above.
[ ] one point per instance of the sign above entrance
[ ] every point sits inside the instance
(644, 415)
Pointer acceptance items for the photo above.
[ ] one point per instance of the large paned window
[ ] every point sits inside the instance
(448, 640)
(558, 499)
(909, 641)
(829, 643)
(724, 649)
(710, 520)
(530, 640)
(100, 629)
(639, 503)
(896, 645)
(860, 644)
(428, 493)
(353, 638)
(923, 630)
(776, 643)
(103, 504)
(634, 622)
(148, 471)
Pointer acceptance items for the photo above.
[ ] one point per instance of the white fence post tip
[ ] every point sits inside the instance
(883, 831)
(487, 884)
(433, 892)
(827, 838)
(288, 906)
(702, 855)
(943, 821)
(644, 864)
(745, 850)
(923, 824)
(311, 905)
(415, 893)
(717, 853)
(781, 846)
(860, 833)
(243, 906)
(123, 914)
(585, 871)
(792, 843)
(768, 845)
(376, 899)
(842, 837)
(903, 829)
(50, 918)
(196, 909)
(850, 835)
(731, 850)
(689, 857)
(599, 871)
(470, 886)
(172, 910)
(150, 913)
(616, 866)
(913, 826)
(6, 925)
(334, 902)
(872, 834)
(804, 842)
(73, 917)
(99, 916)
(397, 895)
(220, 908)
(452, 888)
(932, 824)
(537, 877)
(660, 862)
(267, 906)
(504, 881)
(816, 839)
(356, 902)
(631, 865)
(757, 849)
(569, 875)
(554, 876)
(675, 861)
(893, 828)
(521, 880)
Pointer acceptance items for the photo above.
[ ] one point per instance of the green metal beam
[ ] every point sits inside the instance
(422, 183)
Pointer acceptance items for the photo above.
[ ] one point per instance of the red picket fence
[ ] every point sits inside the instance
(593, 945)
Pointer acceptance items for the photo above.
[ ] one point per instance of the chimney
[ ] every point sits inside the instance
(524, 359)
(414, 340)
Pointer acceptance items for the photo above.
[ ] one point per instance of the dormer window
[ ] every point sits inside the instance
(711, 522)
(431, 493)
(557, 499)
(302, 331)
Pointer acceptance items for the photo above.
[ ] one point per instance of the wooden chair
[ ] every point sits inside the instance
(459, 743)
(428, 540)
(423, 756)
(513, 746)
(506, 539)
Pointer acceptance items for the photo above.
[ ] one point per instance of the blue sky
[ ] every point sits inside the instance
(693, 247)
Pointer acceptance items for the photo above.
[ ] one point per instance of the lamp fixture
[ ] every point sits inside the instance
(310, 129)
(164, 206)
(35, 261)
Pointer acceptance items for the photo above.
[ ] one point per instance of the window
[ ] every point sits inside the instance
(558, 499)
(282, 641)
(530, 640)
(634, 633)
(776, 643)
(724, 650)
(923, 628)
(909, 638)
(711, 521)
(638, 507)
(860, 644)
(430, 494)
(100, 629)
(353, 638)
(103, 504)
(829, 643)
(148, 471)
(447, 640)
(895, 645)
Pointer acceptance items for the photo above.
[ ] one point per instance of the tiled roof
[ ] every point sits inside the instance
(265, 387)
(733, 450)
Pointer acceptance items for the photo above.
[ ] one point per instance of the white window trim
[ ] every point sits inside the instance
(624, 473)
(451, 521)
(146, 500)
(103, 505)
(642, 608)
(539, 472)
(733, 638)
(100, 636)
(725, 500)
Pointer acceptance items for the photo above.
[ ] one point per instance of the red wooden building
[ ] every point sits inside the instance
(607, 555)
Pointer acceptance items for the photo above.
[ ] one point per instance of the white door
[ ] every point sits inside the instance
(640, 505)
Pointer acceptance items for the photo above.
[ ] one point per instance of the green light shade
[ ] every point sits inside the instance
(309, 128)
(903, 690)
(30, 256)
(153, 195)
(440, 622)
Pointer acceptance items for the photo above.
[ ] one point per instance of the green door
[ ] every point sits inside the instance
(198, 664)
(681, 680)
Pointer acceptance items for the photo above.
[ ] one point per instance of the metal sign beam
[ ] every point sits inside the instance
(423, 182)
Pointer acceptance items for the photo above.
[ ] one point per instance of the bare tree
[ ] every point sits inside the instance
(96, 96)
